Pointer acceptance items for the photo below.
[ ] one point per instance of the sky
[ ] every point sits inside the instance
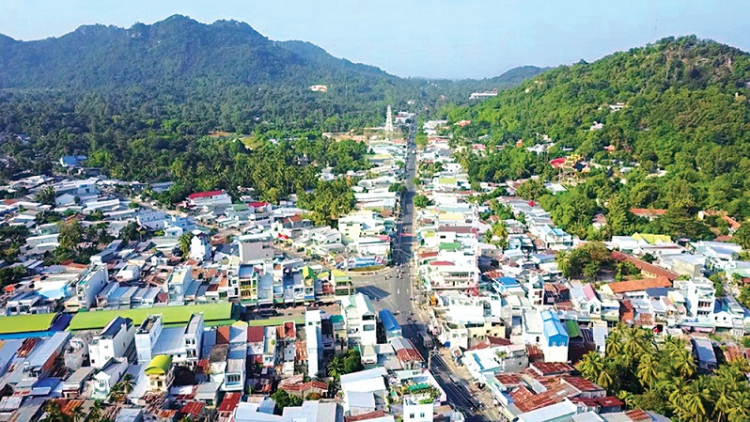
(419, 38)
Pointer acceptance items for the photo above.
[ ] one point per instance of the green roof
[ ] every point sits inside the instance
(337, 319)
(451, 246)
(448, 181)
(159, 365)
(26, 323)
(300, 320)
(169, 314)
(573, 329)
(308, 272)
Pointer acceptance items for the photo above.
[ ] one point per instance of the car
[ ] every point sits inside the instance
(396, 312)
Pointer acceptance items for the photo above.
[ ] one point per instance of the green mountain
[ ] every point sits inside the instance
(680, 118)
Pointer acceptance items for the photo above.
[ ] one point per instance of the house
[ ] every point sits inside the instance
(200, 247)
(107, 377)
(635, 288)
(555, 238)
(255, 247)
(269, 347)
(90, 283)
(112, 342)
(554, 338)
(193, 337)
(314, 337)
(72, 161)
(159, 373)
(26, 303)
(212, 198)
(74, 384)
(359, 319)
(700, 296)
(703, 351)
(391, 326)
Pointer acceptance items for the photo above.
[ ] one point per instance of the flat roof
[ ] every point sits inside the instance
(170, 315)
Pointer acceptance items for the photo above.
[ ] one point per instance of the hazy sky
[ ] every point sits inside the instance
(430, 38)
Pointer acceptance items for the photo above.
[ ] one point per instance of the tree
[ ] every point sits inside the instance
(531, 189)
(70, 234)
(46, 196)
(421, 201)
(184, 242)
(336, 367)
(742, 236)
(284, 399)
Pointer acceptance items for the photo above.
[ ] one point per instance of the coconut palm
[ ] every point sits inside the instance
(648, 370)
(683, 363)
(336, 367)
(591, 366)
(739, 409)
(77, 413)
(563, 263)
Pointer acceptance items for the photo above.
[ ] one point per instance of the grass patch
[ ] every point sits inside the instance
(26, 323)
(177, 315)
(275, 321)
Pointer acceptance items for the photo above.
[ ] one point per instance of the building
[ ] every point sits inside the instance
(256, 247)
(700, 297)
(212, 198)
(107, 377)
(359, 319)
(193, 337)
(146, 336)
(200, 247)
(314, 337)
(159, 373)
(92, 282)
(112, 342)
(554, 338)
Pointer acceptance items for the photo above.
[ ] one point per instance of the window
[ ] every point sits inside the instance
(421, 415)
(411, 415)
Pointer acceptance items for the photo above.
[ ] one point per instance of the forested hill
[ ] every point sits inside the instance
(684, 131)
(178, 48)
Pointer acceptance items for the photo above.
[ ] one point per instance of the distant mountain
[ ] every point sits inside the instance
(176, 49)
(517, 75)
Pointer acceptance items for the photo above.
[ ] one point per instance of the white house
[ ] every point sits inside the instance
(112, 342)
(359, 319)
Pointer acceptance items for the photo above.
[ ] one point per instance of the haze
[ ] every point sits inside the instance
(436, 38)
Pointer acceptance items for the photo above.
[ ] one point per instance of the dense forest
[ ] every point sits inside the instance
(677, 136)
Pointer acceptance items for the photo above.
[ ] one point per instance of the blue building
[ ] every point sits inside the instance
(392, 328)
(555, 338)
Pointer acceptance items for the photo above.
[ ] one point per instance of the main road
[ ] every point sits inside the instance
(399, 292)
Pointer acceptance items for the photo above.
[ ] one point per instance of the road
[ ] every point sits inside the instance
(397, 290)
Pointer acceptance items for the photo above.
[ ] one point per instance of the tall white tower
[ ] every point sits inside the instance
(389, 122)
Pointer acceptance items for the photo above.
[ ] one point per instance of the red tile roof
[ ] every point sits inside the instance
(639, 285)
(192, 408)
(647, 212)
(609, 401)
(255, 334)
(441, 263)
(204, 194)
(638, 415)
(551, 368)
(222, 334)
(644, 266)
(365, 416)
(290, 330)
(582, 384)
(408, 353)
(257, 204)
(230, 402)
(509, 379)
(318, 385)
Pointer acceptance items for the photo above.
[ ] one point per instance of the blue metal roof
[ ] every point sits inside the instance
(388, 320)
(553, 329)
(507, 281)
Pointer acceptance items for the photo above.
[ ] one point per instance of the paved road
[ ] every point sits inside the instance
(396, 291)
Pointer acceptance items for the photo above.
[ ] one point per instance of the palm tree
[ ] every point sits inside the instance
(591, 366)
(78, 413)
(184, 242)
(46, 196)
(648, 370)
(683, 363)
(96, 411)
(336, 367)
(563, 263)
(739, 409)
